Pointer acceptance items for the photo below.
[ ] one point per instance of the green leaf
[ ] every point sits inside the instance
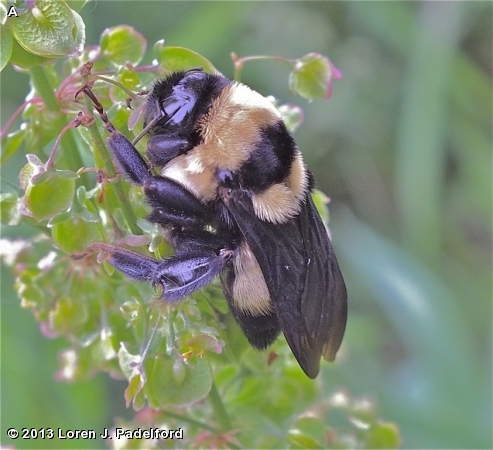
(119, 115)
(136, 114)
(67, 315)
(66, 174)
(312, 76)
(10, 144)
(103, 348)
(32, 297)
(25, 175)
(135, 385)
(130, 80)
(75, 234)
(129, 363)
(383, 435)
(50, 197)
(81, 208)
(76, 5)
(308, 432)
(9, 209)
(123, 44)
(202, 343)
(25, 59)
(42, 127)
(139, 400)
(301, 439)
(321, 201)
(6, 46)
(178, 58)
(179, 371)
(364, 410)
(80, 32)
(132, 311)
(3, 13)
(165, 389)
(49, 29)
(292, 115)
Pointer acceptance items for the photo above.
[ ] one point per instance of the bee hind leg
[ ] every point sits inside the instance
(177, 276)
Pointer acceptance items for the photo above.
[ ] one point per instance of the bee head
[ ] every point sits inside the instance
(180, 99)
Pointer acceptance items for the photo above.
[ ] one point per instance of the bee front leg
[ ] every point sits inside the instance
(161, 149)
(128, 159)
(174, 205)
(126, 156)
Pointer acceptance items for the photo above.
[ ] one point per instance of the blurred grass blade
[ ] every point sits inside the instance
(421, 308)
(421, 130)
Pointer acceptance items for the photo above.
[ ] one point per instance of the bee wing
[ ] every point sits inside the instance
(303, 277)
(326, 316)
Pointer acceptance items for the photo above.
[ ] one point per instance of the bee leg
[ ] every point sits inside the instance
(161, 149)
(128, 159)
(189, 222)
(178, 276)
(174, 205)
(183, 274)
(132, 264)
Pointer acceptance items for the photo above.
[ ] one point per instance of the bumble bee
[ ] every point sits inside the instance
(234, 198)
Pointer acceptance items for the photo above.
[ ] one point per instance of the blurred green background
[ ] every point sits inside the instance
(404, 150)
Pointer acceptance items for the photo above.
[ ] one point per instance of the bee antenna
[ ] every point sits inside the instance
(157, 117)
(97, 104)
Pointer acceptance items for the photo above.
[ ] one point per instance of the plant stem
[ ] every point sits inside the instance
(219, 409)
(42, 86)
(46, 92)
(127, 91)
(104, 154)
(203, 425)
(240, 62)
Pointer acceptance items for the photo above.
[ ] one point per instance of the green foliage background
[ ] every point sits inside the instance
(403, 148)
